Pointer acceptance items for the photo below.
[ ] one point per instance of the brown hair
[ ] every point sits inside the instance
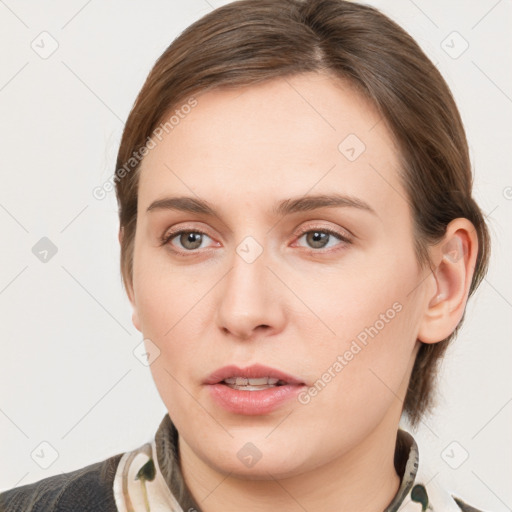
(251, 41)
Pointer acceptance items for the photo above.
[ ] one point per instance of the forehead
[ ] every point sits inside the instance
(281, 138)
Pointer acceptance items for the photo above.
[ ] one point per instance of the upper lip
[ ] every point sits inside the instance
(254, 371)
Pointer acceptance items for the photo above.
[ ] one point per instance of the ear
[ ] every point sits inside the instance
(130, 292)
(454, 260)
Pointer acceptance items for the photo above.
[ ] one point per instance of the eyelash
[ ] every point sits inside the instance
(166, 239)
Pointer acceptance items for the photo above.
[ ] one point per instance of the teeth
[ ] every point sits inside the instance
(245, 381)
(249, 388)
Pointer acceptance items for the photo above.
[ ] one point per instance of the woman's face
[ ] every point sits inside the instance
(261, 281)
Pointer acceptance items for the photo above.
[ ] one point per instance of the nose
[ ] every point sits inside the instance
(250, 299)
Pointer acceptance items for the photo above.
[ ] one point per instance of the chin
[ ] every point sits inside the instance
(258, 460)
(268, 470)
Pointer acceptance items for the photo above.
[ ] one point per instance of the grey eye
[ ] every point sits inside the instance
(317, 239)
(191, 239)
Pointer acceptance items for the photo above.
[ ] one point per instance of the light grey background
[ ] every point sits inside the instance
(70, 379)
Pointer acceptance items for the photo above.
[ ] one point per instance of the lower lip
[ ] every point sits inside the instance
(253, 402)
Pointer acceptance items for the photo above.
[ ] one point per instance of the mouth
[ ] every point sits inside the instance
(255, 390)
(252, 378)
(256, 384)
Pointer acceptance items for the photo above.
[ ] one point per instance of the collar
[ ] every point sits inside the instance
(149, 478)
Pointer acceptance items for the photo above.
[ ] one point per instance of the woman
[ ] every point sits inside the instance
(298, 242)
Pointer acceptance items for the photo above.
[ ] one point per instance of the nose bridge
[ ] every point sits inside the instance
(248, 298)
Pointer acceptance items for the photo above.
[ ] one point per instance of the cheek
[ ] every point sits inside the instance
(172, 302)
(361, 359)
(360, 300)
(166, 293)
(169, 305)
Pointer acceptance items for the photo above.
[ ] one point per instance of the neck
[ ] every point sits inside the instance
(362, 479)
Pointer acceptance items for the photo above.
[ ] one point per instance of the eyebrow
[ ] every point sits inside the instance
(282, 208)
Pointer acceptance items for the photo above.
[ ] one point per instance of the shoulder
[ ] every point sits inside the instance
(86, 489)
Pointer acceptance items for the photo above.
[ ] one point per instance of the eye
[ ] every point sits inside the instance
(189, 239)
(319, 238)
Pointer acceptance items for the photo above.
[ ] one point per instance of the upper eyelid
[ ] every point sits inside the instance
(339, 231)
(314, 225)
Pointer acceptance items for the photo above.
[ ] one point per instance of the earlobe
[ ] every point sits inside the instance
(454, 259)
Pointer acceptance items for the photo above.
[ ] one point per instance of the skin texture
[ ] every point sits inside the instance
(300, 304)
